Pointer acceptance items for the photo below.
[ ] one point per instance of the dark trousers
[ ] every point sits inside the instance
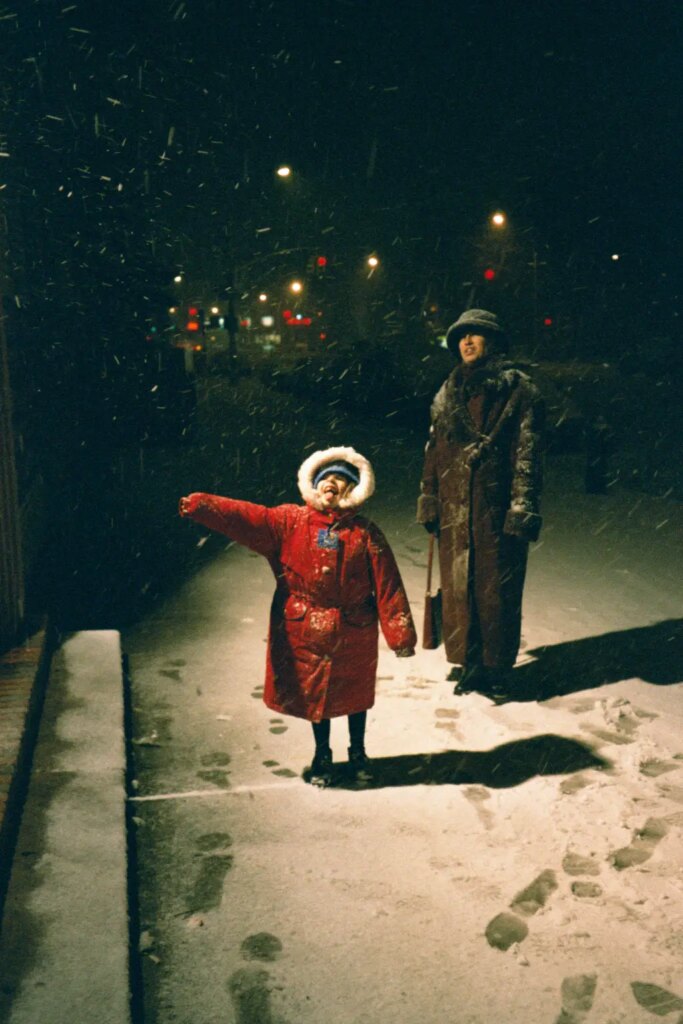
(321, 731)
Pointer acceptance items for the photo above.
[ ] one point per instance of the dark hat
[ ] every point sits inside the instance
(343, 468)
(480, 320)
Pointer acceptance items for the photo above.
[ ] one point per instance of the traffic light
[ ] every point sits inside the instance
(195, 320)
(319, 266)
(489, 274)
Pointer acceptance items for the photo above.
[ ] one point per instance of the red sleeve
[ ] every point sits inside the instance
(392, 601)
(255, 526)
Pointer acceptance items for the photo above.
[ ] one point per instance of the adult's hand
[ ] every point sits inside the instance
(184, 506)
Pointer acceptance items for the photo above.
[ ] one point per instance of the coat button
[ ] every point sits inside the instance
(326, 569)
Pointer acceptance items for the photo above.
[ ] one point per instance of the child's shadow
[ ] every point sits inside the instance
(506, 765)
(651, 653)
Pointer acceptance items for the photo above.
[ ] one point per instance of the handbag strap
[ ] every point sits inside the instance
(430, 558)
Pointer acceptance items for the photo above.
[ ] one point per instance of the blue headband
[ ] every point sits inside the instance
(343, 468)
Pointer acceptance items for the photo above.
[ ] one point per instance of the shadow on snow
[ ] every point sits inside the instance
(507, 765)
(651, 653)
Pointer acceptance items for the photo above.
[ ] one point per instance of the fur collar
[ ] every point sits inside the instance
(356, 496)
(497, 378)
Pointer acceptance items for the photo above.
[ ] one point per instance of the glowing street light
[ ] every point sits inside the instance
(214, 310)
(284, 171)
(615, 256)
(498, 219)
(178, 278)
(263, 297)
(373, 262)
(296, 287)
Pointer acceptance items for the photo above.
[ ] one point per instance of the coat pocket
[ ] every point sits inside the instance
(295, 608)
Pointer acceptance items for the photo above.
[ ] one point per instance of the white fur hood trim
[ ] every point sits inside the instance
(356, 496)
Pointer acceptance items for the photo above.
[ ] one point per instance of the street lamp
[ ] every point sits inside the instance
(178, 278)
(373, 262)
(284, 171)
(263, 297)
(498, 219)
(296, 287)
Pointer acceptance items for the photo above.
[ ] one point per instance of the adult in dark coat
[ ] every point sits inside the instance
(481, 486)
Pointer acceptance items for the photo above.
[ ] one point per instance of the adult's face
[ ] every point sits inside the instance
(472, 348)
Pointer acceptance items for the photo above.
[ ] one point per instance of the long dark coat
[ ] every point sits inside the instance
(336, 577)
(482, 482)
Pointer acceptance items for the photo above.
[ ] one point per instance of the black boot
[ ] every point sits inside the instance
(320, 772)
(469, 679)
(496, 683)
(360, 765)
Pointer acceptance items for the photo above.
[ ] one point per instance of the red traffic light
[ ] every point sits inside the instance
(321, 261)
(548, 321)
(193, 311)
(490, 274)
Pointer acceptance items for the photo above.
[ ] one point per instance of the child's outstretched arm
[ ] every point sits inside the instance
(393, 608)
(255, 526)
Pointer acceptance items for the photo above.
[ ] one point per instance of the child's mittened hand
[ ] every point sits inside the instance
(405, 652)
(184, 506)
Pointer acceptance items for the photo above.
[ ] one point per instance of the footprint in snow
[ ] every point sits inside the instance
(575, 864)
(207, 891)
(218, 757)
(530, 900)
(653, 769)
(506, 929)
(642, 846)
(573, 784)
(171, 673)
(578, 993)
(213, 841)
(250, 994)
(478, 795)
(217, 776)
(655, 999)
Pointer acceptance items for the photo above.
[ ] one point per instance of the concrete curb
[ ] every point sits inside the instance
(65, 943)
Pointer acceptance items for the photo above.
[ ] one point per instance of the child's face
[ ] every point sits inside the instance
(332, 488)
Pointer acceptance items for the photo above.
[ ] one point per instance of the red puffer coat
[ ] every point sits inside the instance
(336, 576)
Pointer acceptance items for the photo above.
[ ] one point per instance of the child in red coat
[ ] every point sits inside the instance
(336, 579)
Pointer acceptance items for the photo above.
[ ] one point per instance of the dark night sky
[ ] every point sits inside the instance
(403, 121)
(566, 115)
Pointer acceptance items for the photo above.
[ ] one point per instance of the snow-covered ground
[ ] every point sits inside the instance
(517, 863)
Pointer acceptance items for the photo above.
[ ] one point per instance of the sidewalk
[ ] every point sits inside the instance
(519, 863)
(510, 863)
